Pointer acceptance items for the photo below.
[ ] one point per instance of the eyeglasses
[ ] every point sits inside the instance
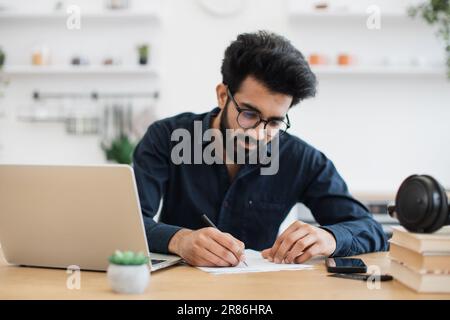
(250, 119)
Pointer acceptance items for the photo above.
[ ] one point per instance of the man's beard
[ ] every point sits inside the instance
(247, 149)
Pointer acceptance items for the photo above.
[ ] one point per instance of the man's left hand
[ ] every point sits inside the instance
(299, 243)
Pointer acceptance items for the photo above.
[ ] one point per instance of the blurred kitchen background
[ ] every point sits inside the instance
(83, 91)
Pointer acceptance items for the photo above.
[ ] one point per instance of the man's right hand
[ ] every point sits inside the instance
(207, 247)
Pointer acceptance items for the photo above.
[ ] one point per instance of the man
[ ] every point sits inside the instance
(263, 77)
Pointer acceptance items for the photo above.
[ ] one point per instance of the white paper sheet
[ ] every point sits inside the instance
(256, 263)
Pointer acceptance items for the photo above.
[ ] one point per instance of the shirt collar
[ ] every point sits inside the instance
(206, 122)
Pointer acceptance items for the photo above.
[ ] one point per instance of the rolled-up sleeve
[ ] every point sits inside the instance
(151, 168)
(331, 204)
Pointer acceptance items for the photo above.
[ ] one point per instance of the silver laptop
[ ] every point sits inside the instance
(61, 216)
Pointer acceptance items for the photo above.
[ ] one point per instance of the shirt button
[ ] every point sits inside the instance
(250, 202)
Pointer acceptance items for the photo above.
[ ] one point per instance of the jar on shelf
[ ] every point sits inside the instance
(40, 56)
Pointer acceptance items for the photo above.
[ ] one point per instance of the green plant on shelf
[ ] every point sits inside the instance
(2, 58)
(121, 150)
(143, 52)
(128, 258)
(3, 80)
(436, 13)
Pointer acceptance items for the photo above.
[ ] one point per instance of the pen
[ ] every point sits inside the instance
(211, 224)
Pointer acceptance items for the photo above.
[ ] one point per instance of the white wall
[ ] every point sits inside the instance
(377, 129)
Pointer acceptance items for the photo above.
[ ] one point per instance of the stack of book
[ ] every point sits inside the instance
(421, 261)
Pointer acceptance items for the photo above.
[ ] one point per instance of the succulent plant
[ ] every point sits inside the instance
(128, 258)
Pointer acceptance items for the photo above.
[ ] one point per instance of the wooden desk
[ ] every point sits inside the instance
(183, 282)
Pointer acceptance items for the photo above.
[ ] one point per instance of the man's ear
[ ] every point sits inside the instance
(222, 95)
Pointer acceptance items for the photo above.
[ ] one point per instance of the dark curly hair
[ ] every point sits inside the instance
(273, 61)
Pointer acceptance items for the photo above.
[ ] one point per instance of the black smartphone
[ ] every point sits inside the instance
(345, 265)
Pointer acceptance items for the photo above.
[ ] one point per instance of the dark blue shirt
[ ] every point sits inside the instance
(252, 206)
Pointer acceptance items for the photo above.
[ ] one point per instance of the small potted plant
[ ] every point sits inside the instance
(120, 151)
(3, 80)
(2, 57)
(143, 51)
(128, 272)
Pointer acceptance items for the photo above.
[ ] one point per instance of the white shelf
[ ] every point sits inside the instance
(342, 14)
(107, 15)
(378, 70)
(74, 70)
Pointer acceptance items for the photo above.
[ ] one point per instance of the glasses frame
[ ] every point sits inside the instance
(261, 120)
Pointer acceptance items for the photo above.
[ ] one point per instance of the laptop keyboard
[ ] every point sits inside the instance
(155, 261)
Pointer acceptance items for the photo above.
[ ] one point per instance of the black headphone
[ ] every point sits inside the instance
(421, 205)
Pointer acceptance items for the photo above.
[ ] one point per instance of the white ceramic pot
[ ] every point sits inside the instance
(128, 279)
